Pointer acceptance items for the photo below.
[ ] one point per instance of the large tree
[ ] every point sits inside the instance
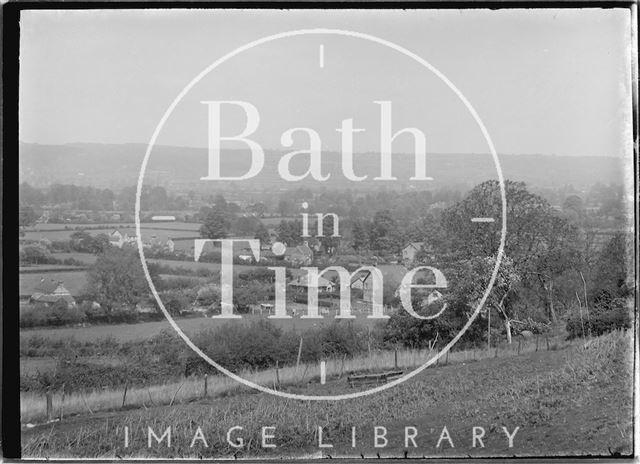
(117, 280)
(27, 216)
(471, 280)
(383, 233)
(540, 243)
(216, 223)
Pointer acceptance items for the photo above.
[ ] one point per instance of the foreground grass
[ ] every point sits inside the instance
(574, 401)
(33, 405)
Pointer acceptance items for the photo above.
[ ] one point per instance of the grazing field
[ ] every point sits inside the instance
(35, 268)
(573, 400)
(74, 281)
(77, 226)
(162, 231)
(197, 265)
(86, 258)
(145, 330)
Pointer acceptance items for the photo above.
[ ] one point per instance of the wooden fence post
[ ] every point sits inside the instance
(62, 403)
(446, 361)
(124, 395)
(342, 366)
(537, 340)
(497, 345)
(49, 404)
(205, 385)
(277, 375)
(519, 343)
(395, 359)
(299, 356)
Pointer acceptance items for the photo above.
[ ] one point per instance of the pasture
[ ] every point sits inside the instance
(74, 281)
(543, 393)
(162, 231)
(86, 258)
(193, 226)
(145, 330)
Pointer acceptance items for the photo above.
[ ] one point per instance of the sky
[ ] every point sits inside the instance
(541, 81)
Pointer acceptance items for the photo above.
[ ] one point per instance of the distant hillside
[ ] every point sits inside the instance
(110, 165)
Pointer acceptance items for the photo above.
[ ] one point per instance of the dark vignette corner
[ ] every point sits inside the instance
(10, 367)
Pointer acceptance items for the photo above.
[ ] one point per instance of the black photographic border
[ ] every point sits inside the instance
(9, 322)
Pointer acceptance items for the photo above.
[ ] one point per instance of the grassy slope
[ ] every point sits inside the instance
(569, 402)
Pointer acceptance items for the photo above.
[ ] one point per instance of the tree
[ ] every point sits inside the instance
(383, 232)
(27, 216)
(612, 271)
(539, 242)
(34, 254)
(220, 202)
(86, 243)
(208, 295)
(290, 232)
(360, 233)
(329, 243)
(262, 233)
(285, 207)
(560, 254)
(472, 280)
(258, 209)
(117, 279)
(574, 203)
(216, 223)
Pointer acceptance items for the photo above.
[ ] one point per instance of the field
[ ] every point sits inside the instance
(160, 233)
(571, 400)
(86, 258)
(74, 281)
(71, 227)
(146, 330)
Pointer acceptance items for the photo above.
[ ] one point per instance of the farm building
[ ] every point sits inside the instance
(51, 291)
(393, 273)
(302, 284)
(117, 239)
(411, 250)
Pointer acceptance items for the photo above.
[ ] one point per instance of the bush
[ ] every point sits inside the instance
(603, 319)
(58, 314)
(261, 344)
(410, 332)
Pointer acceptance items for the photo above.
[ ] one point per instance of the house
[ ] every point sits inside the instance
(410, 251)
(300, 255)
(50, 291)
(170, 245)
(302, 284)
(116, 239)
(393, 273)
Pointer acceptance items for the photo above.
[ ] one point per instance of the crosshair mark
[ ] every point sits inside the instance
(323, 372)
(482, 219)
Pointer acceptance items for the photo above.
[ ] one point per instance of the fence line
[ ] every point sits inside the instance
(35, 406)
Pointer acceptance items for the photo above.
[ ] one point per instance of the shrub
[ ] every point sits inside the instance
(261, 344)
(602, 319)
(57, 314)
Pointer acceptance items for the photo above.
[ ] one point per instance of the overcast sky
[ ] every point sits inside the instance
(545, 81)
